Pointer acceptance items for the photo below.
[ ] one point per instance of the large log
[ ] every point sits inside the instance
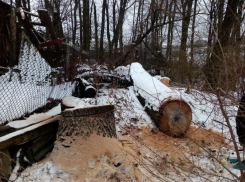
(113, 80)
(166, 107)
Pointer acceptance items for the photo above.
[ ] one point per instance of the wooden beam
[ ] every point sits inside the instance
(26, 134)
(27, 12)
(46, 21)
(52, 42)
(36, 23)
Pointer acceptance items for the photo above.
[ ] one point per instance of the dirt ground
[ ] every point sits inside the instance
(128, 157)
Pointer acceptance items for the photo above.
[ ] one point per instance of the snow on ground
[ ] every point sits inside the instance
(128, 109)
(160, 157)
(45, 172)
(184, 159)
(206, 111)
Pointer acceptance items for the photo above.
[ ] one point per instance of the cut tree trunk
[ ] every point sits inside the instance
(165, 106)
(83, 122)
(83, 89)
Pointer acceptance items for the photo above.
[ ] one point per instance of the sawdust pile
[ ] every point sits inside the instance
(165, 153)
(139, 154)
(96, 159)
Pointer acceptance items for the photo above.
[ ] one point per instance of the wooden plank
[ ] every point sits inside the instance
(26, 134)
(5, 164)
(36, 23)
(27, 12)
(46, 21)
(52, 42)
(4, 130)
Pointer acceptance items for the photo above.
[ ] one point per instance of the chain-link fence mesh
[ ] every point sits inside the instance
(29, 85)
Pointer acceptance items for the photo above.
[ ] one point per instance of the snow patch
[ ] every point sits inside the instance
(35, 118)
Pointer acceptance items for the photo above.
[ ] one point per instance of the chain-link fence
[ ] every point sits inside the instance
(29, 85)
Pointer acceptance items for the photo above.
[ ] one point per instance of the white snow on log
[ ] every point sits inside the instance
(85, 82)
(19, 132)
(151, 89)
(123, 71)
(90, 86)
(35, 118)
(161, 77)
(77, 103)
(71, 101)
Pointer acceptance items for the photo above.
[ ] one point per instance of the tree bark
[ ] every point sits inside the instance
(83, 122)
(96, 32)
(119, 25)
(108, 30)
(86, 26)
(190, 68)
(217, 59)
(186, 7)
(102, 32)
(81, 24)
(74, 31)
(168, 111)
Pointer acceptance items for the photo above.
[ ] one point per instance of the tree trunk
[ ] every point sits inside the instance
(102, 31)
(81, 24)
(119, 25)
(74, 31)
(190, 68)
(170, 31)
(220, 12)
(86, 26)
(186, 7)
(217, 59)
(108, 30)
(210, 30)
(5, 165)
(167, 109)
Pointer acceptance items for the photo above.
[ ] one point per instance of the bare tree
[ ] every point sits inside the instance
(86, 26)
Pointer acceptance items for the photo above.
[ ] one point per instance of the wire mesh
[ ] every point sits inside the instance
(28, 85)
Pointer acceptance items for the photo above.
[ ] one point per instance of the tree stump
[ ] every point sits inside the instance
(83, 122)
